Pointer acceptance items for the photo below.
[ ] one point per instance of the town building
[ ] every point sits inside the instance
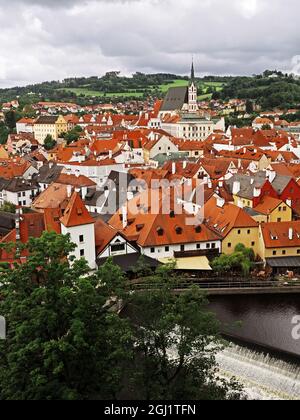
(49, 126)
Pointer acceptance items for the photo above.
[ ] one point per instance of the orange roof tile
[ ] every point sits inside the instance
(268, 205)
(276, 235)
(76, 213)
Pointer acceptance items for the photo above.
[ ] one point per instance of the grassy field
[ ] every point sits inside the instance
(93, 93)
(132, 93)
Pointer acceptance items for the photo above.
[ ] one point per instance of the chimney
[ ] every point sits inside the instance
(256, 192)
(221, 184)
(18, 236)
(291, 234)
(173, 168)
(236, 187)
(220, 202)
(69, 191)
(272, 176)
(209, 183)
(110, 154)
(124, 216)
(84, 192)
(289, 203)
(77, 173)
(184, 164)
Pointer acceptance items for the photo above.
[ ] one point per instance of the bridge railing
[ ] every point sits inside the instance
(220, 285)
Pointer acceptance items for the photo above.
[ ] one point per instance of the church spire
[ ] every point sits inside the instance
(192, 72)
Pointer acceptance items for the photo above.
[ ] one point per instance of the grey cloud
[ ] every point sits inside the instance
(41, 40)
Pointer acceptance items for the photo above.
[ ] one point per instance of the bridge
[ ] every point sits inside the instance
(231, 287)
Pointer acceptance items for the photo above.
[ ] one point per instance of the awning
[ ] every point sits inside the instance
(284, 262)
(189, 263)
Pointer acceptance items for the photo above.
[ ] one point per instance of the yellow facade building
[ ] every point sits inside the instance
(279, 240)
(272, 210)
(234, 224)
(48, 125)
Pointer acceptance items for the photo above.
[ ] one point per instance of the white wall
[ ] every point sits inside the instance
(118, 240)
(13, 197)
(98, 174)
(160, 251)
(89, 246)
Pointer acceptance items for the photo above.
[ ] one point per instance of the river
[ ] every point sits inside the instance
(264, 355)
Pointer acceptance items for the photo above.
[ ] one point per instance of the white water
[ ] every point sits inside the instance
(263, 376)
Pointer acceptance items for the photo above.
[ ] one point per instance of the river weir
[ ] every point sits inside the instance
(263, 375)
(263, 355)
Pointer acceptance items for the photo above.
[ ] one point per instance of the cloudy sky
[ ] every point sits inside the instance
(53, 39)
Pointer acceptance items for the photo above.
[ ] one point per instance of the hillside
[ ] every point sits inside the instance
(111, 87)
(269, 91)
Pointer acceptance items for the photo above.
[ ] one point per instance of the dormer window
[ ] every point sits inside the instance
(178, 230)
(139, 227)
(160, 231)
(198, 229)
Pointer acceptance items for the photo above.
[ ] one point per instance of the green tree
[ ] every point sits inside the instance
(241, 261)
(73, 135)
(266, 127)
(65, 339)
(4, 132)
(63, 342)
(176, 340)
(249, 107)
(49, 142)
(10, 120)
(8, 207)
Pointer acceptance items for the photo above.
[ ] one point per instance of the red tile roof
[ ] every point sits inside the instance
(76, 213)
(276, 235)
(224, 219)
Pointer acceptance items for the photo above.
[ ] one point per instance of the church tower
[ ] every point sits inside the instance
(193, 93)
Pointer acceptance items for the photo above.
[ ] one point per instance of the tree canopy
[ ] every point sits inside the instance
(241, 261)
(66, 340)
(49, 142)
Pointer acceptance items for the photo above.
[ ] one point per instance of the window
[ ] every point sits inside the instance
(239, 232)
(229, 245)
(167, 248)
(117, 248)
(152, 250)
(283, 252)
(279, 220)
(160, 231)
(298, 251)
(284, 209)
(81, 239)
(198, 246)
(82, 252)
(182, 248)
(207, 246)
(248, 232)
(274, 253)
(213, 246)
(252, 243)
